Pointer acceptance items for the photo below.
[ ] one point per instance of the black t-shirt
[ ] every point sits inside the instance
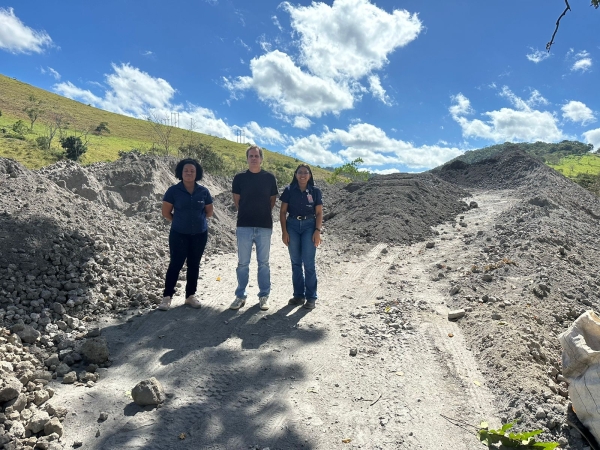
(255, 191)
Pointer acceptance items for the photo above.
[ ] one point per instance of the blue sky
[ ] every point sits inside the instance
(404, 85)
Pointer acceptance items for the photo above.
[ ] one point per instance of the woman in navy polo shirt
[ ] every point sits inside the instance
(301, 219)
(186, 205)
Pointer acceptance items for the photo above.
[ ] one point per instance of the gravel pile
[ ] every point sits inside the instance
(525, 283)
(76, 245)
(396, 209)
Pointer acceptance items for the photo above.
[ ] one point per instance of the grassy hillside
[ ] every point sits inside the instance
(126, 133)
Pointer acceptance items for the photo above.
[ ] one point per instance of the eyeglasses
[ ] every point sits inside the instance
(302, 173)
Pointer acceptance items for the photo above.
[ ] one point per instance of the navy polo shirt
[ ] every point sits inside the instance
(189, 216)
(301, 203)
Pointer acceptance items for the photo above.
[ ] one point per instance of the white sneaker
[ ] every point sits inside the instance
(165, 304)
(264, 303)
(193, 301)
(238, 303)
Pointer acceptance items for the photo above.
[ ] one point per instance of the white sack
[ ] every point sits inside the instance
(581, 368)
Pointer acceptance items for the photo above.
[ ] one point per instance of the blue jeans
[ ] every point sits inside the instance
(261, 237)
(302, 253)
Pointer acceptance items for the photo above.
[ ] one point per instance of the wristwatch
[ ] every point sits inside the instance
(318, 229)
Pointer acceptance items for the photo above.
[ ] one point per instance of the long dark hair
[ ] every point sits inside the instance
(182, 163)
(311, 182)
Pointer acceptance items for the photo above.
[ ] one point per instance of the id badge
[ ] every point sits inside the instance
(310, 199)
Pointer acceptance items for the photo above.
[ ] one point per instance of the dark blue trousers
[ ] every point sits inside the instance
(184, 247)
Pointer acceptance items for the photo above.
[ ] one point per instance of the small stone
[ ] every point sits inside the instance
(353, 352)
(456, 314)
(103, 416)
(430, 245)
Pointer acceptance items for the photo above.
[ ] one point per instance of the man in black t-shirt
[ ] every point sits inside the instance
(254, 194)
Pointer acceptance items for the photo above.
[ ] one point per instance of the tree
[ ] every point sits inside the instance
(103, 127)
(74, 147)
(54, 123)
(594, 3)
(161, 132)
(33, 109)
(348, 170)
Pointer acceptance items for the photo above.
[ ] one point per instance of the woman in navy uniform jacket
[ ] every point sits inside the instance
(186, 205)
(301, 219)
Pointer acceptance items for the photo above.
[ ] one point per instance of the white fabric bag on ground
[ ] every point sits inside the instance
(581, 368)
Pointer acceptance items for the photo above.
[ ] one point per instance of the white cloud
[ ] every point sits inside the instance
(578, 112)
(278, 81)
(384, 171)
(372, 145)
(378, 91)
(462, 106)
(593, 137)
(340, 44)
(243, 44)
(583, 65)
(130, 92)
(276, 23)
(54, 73)
(263, 135)
(524, 105)
(537, 56)
(350, 38)
(302, 122)
(314, 150)
(16, 37)
(147, 53)
(523, 124)
(69, 90)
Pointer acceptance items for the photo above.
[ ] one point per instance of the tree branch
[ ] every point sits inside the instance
(568, 8)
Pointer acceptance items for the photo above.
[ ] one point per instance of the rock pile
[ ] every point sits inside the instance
(526, 281)
(74, 249)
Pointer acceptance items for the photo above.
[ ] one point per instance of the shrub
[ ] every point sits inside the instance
(43, 142)
(73, 146)
(103, 127)
(19, 127)
(210, 160)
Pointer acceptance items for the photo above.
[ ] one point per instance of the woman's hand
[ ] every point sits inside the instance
(316, 238)
(285, 237)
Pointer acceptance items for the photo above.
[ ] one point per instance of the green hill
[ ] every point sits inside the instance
(126, 133)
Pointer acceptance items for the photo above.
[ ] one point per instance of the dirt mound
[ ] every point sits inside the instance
(509, 169)
(398, 208)
(135, 184)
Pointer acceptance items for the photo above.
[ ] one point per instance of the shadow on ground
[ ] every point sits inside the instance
(227, 375)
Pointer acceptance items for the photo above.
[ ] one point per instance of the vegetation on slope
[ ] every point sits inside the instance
(106, 134)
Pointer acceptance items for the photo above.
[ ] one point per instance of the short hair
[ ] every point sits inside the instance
(181, 164)
(311, 181)
(254, 147)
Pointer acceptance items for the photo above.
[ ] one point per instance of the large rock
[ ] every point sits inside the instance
(148, 392)
(29, 335)
(10, 388)
(95, 350)
(53, 426)
(37, 421)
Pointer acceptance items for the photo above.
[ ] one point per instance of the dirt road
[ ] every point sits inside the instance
(284, 378)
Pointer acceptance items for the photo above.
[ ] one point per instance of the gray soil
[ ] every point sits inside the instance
(377, 365)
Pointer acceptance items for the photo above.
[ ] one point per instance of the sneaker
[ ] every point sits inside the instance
(296, 301)
(192, 301)
(310, 304)
(165, 304)
(238, 303)
(264, 302)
